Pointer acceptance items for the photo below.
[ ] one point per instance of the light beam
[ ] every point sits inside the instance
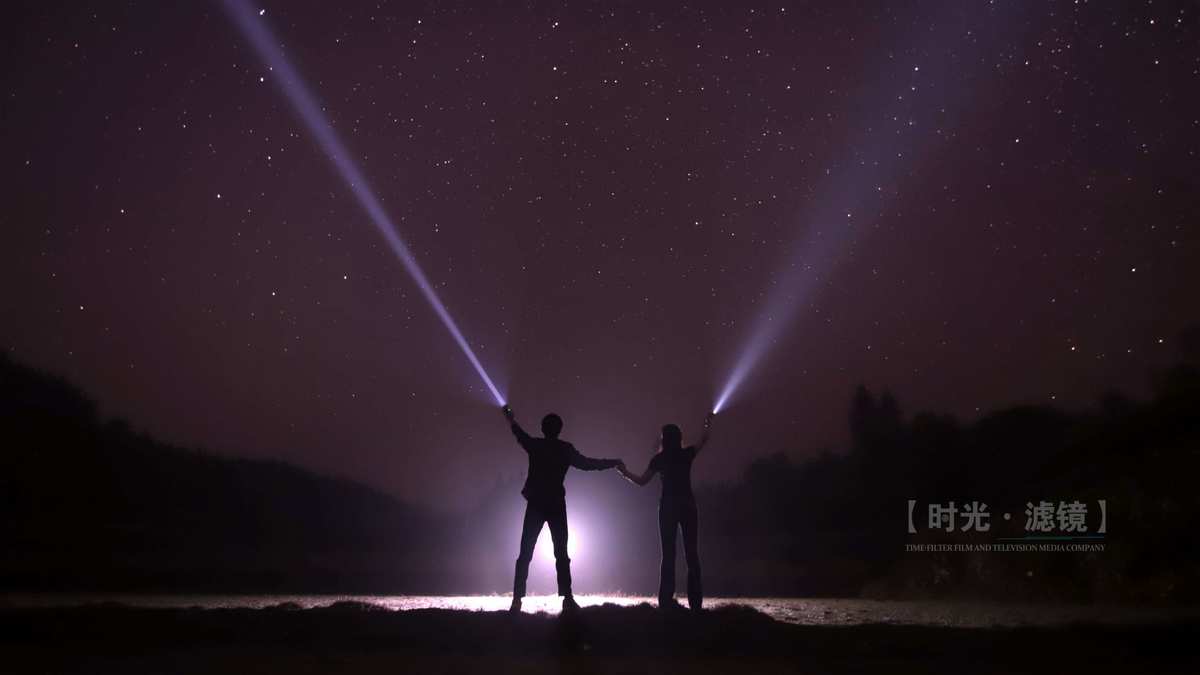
(255, 30)
(885, 150)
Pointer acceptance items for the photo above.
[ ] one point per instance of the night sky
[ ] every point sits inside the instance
(972, 204)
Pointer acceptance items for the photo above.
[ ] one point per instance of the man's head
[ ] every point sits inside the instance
(551, 426)
(672, 437)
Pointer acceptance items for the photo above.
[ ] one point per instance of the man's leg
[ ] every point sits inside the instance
(667, 524)
(530, 529)
(558, 535)
(689, 523)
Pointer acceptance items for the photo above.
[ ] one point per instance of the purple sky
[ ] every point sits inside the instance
(1003, 197)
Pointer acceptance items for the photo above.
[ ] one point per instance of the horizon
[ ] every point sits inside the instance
(511, 480)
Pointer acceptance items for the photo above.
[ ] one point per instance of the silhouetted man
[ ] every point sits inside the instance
(549, 459)
(676, 511)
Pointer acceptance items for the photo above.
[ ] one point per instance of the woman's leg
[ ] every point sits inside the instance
(689, 523)
(667, 524)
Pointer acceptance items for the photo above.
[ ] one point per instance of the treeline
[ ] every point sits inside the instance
(839, 523)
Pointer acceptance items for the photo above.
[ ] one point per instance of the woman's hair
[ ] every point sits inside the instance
(672, 437)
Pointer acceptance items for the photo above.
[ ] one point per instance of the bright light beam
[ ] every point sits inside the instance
(814, 257)
(290, 83)
(883, 154)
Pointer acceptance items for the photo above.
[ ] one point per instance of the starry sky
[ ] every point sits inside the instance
(974, 204)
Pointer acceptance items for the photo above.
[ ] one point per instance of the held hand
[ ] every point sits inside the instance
(507, 411)
(708, 419)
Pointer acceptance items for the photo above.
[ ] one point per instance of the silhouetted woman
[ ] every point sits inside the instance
(676, 510)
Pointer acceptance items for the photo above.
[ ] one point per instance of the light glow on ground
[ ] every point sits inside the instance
(804, 611)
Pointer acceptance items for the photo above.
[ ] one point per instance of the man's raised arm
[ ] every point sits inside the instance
(522, 437)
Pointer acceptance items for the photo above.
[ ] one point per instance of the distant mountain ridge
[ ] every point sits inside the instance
(90, 504)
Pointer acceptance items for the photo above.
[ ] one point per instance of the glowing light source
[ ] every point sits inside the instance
(305, 104)
(544, 551)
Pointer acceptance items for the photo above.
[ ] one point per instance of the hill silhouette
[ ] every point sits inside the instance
(92, 505)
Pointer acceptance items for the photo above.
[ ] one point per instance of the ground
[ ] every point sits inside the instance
(353, 638)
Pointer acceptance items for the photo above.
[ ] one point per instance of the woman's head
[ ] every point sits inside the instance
(672, 437)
